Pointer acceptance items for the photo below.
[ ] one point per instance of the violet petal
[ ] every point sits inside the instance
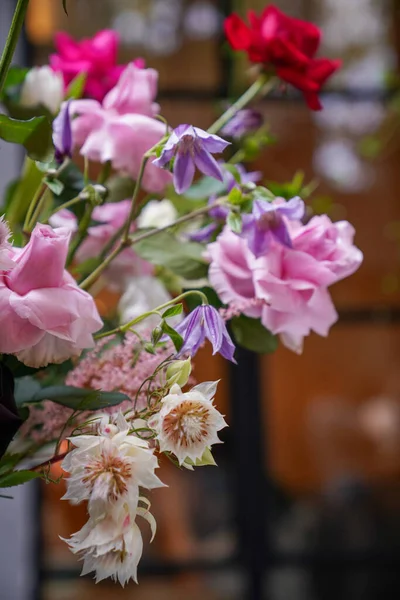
(212, 325)
(183, 172)
(207, 164)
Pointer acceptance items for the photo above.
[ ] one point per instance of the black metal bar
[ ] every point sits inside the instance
(248, 470)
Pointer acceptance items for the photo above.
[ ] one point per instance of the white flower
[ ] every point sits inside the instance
(43, 86)
(187, 423)
(6, 262)
(112, 547)
(143, 294)
(157, 214)
(109, 467)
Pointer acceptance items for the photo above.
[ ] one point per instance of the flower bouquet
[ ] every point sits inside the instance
(197, 249)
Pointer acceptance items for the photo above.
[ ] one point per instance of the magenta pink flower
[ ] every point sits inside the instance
(122, 129)
(286, 287)
(97, 57)
(44, 316)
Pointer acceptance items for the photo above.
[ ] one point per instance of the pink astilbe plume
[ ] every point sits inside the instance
(122, 367)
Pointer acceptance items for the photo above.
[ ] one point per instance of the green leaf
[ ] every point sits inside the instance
(264, 193)
(29, 391)
(172, 311)
(234, 171)
(177, 339)
(205, 188)
(251, 334)
(22, 194)
(78, 398)
(56, 186)
(9, 461)
(184, 259)
(234, 221)
(76, 87)
(15, 76)
(17, 478)
(206, 460)
(34, 135)
(73, 181)
(235, 196)
(25, 389)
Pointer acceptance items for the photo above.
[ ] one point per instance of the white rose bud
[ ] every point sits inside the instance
(43, 86)
(157, 214)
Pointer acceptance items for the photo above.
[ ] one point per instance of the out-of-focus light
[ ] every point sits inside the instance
(202, 20)
(162, 38)
(166, 9)
(131, 26)
(337, 161)
(355, 118)
(369, 71)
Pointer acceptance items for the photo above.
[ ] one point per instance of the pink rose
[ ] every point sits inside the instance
(44, 316)
(231, 274)
(97, 57)
(122, 128)
(286, 287)
(331, 244)
(111, 216)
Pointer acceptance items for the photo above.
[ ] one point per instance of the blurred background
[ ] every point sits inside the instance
(305, 504)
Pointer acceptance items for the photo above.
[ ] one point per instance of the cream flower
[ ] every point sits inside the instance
(187, 423)
(6, 262)
(109, 467)
(43, 86)
(112, 547)
(157, 214)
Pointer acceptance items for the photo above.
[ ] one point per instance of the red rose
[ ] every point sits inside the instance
(286, 44)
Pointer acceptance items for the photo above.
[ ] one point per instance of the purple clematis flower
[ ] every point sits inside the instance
(191, 147)
(267, 223)
(203, 234)
(62, 133)
(221, 212)
(245, 121)
(205, 322)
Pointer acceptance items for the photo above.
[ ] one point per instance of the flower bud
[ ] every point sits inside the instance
(179, 372)
(43, 86)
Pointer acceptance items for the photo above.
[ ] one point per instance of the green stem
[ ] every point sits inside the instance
(92, 278)
(36, 200)
(12, 40)
(104, 173)
(258, 86)
(37, 211)
(195, 213)
(82, 231)
(123, 231)
(156, 311)
(134, 207)
(65, 205)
